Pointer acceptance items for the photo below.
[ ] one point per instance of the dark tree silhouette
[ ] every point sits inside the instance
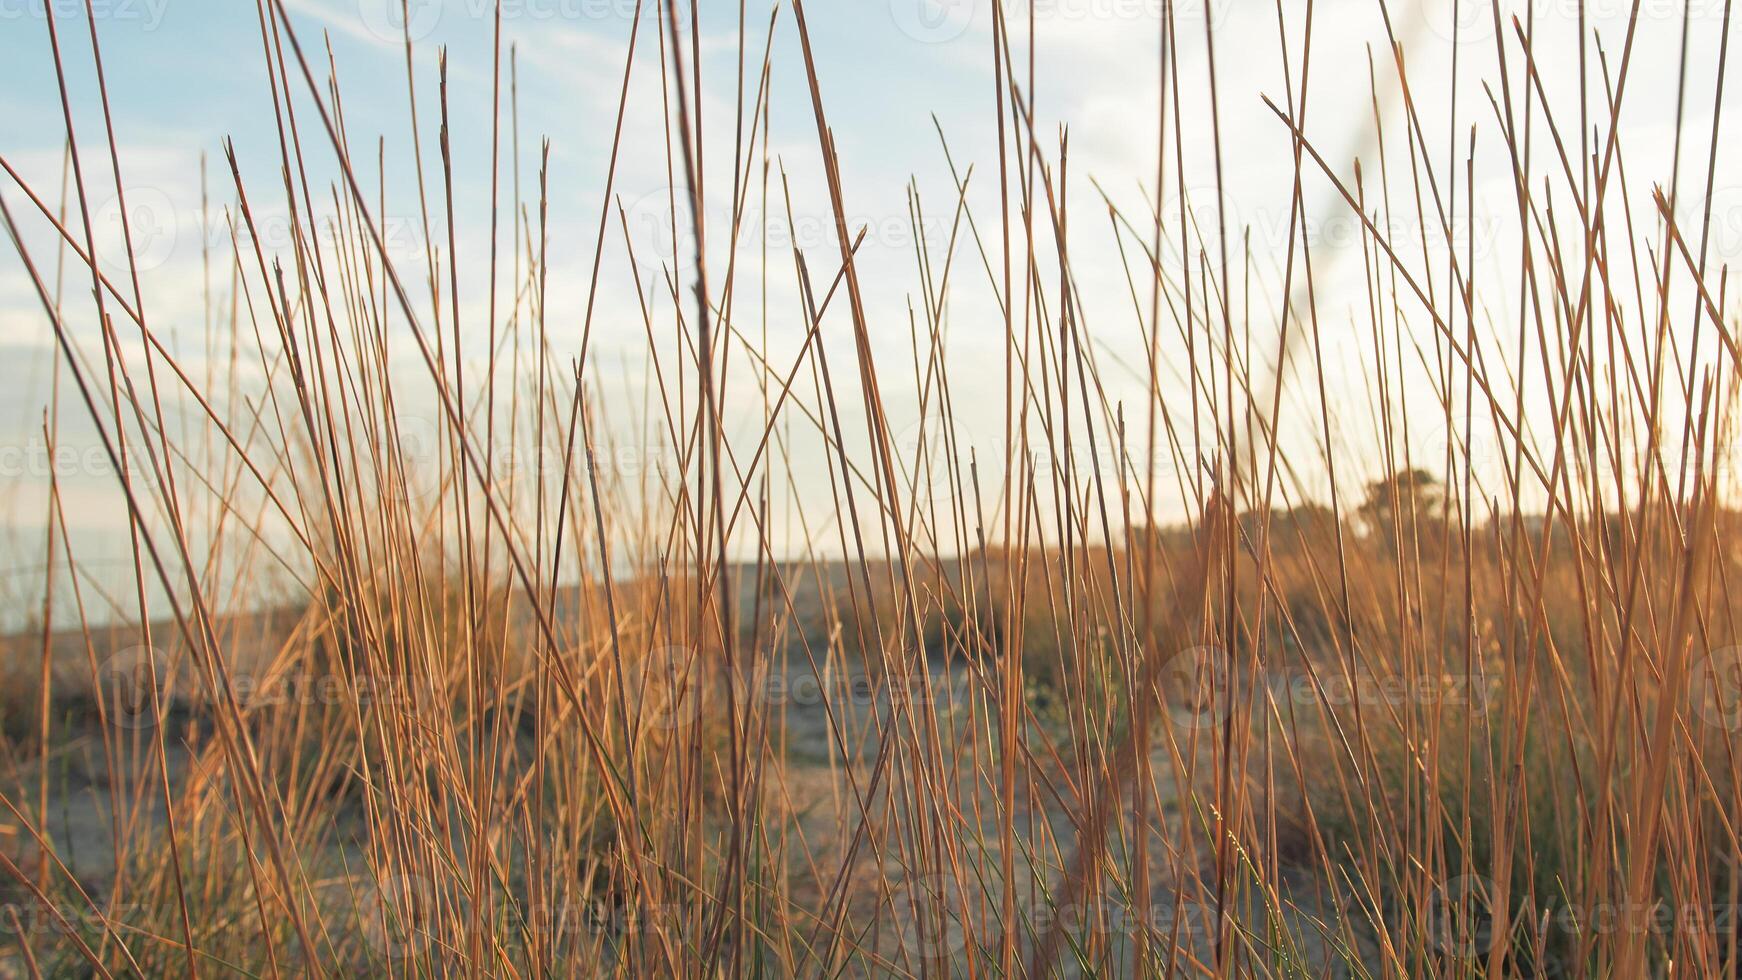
(1395, 500)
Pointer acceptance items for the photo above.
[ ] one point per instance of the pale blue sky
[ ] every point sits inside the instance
(185, 74)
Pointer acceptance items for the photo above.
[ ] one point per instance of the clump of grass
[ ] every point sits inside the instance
(988, 713)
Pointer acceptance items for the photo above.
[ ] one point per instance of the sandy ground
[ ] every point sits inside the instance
(827, 761)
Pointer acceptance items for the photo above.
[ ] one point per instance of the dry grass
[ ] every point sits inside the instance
(578, 718)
